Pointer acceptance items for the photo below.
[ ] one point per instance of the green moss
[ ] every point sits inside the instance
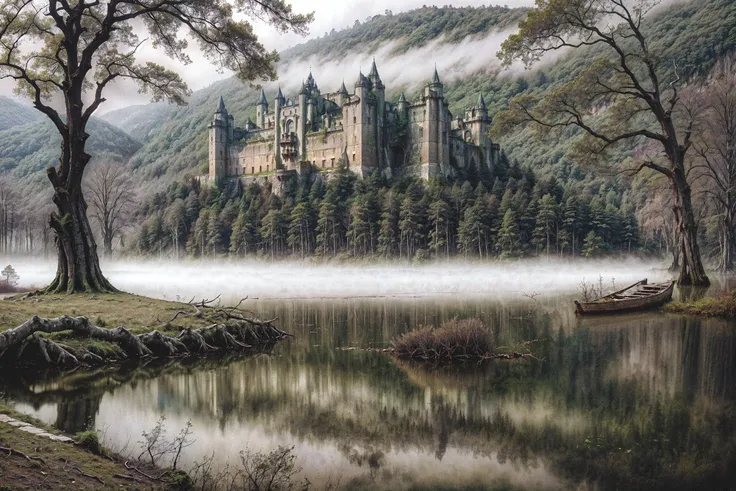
(89, 441)
(723, 306)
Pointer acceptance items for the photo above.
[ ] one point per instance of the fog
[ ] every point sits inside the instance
(287, 280)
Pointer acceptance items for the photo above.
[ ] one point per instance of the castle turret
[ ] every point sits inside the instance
(435, 137)
(403, 106)
(278, 103)
(219, 130)
(261, 110)
(302, 124)
(379, 90)
(477, 121)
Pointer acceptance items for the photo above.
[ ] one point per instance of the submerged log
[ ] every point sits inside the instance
(22, 345)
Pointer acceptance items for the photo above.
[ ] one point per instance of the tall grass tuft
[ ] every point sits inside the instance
(453, 340)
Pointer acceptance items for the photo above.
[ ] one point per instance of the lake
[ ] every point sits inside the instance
(640, 401)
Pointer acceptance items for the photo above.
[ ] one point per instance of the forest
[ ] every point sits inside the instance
(507, 213)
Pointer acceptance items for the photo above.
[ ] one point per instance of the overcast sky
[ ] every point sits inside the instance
(328, 15)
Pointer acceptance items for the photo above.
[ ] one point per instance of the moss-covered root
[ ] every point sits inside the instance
(22, 345)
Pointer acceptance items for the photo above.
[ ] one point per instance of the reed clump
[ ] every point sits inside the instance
(453, 340)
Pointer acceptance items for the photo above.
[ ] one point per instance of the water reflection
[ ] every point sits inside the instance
(643, 401)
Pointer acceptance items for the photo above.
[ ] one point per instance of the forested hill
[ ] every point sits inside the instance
(694, 33)
(14, 114)
(29, 149)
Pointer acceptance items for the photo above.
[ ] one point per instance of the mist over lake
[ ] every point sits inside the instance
(285, 280)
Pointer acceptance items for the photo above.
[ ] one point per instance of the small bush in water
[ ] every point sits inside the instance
(453, 340)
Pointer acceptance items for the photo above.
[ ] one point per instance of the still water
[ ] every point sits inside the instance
(642, 401)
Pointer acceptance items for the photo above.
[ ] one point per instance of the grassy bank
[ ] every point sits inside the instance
(56, 465)
(138, 314)
(723, 306)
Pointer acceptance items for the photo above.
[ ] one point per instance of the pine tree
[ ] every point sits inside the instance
(388, 233)
(438, 221)
(411, 226)
(571, 220)
(546, 223)
(299, 230)
(327, 228)
(508, 243)
(197, 243)
(359, 233)
(592, 244)
(273, 230)
(215, 232)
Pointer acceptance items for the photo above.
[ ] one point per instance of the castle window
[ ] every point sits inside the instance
(332, 162)
(354, 119)
(252, 170)
(260, 169)
(353, 156)
(266, 168)
(323, 163)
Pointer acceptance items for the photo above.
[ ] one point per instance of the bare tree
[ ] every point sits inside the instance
(70, 51)
(628, 81)
(111, 194)
(716, 151)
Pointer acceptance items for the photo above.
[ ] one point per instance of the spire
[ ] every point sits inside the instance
(401, 97)
(374, 70)
(481, 102)
(221, 108)
(262, 99)
(280, 96)
(310, 78)
(362, 81)
(343, 90)
(436, 77)
(303, 90)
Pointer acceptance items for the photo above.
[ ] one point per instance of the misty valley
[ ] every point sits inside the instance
(280, 245)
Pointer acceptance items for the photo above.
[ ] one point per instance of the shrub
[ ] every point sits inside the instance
(89, 441)
(453, 340)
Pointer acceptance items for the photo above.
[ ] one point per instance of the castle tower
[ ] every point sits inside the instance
(278, 103)
(403, 106)
(302, 123)
(378, 123)
(261, 110)
(219, 133)
(434, 126)
(477, 121)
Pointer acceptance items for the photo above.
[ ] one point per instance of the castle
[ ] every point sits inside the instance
(362, 129)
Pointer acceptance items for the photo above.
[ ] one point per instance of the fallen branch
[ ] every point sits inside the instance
(97, 478)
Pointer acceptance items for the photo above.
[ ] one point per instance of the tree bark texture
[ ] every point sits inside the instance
(78, 268)
(692, 271)
(21, 345)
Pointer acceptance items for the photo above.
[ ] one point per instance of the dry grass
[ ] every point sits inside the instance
(454, 340)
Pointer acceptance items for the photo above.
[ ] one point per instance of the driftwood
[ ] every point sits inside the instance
(22, 345)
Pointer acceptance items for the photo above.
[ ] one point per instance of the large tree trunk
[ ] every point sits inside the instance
(78, 268)
(691, 265)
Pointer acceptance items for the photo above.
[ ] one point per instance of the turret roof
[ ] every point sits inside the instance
(362, 81)
(303, 90)
(402, 98)
(374, 71)
(262, 99)
(343, 90)
(280, 95)
(221, 107)
(481, 102)
(436, 77)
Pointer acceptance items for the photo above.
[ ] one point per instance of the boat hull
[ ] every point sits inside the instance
(625, 305)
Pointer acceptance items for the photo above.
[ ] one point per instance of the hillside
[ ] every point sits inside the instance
(15, 114)
(28, 149)
(696, 33)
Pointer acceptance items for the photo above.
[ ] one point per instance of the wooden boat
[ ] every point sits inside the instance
(640, 295)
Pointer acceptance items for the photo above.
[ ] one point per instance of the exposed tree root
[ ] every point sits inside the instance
(129, 478)
(23, 346)
(12, 451)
